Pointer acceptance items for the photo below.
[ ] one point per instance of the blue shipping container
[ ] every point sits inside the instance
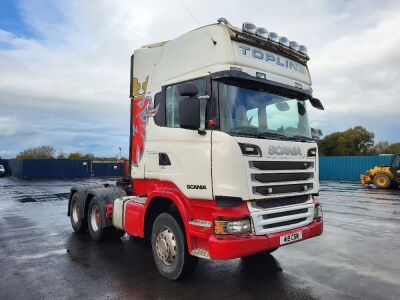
(348, 168)
(55, 169)
(107, 169)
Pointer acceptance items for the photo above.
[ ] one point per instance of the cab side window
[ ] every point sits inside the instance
(172, 100)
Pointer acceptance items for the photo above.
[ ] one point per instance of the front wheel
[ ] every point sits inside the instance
(382, 181)
(169, 248)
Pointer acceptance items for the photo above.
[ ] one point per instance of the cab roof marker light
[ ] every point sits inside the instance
(294, 45)
(262, 32)
(222, 20)
(273, 36)
(249, 28)
(236, 69)
(303, 49)
(283, 40)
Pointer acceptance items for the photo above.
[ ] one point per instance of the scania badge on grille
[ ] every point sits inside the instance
(284, 150)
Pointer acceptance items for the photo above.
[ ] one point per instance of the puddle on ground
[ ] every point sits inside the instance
(26, 200)
(42, 198)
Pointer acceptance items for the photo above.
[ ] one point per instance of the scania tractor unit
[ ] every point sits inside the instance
(222, 163)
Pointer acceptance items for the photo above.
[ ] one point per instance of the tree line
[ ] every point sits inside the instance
(353, 141)
(49, 152)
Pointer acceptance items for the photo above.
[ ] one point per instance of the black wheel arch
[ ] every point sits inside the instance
(157, 206)
(106, 194)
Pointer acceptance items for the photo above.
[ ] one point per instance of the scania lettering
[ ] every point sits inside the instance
(284, 150)
(222, 163)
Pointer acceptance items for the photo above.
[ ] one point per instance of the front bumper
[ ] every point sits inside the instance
(224, 247)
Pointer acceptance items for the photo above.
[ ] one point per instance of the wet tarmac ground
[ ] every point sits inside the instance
(357, 257)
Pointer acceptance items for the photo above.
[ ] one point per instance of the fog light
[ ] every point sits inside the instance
(232, 226)
(318, 212)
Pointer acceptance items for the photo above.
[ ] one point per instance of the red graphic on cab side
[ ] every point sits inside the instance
(142, 110)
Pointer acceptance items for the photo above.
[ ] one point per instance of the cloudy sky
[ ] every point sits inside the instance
(64, 65)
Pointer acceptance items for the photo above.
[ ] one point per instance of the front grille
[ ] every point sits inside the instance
(277, 177)
(273, 179)
(278, 202)
(283, 189)
(285, 223)
(282, 165)
(285, 213)
(279, 219)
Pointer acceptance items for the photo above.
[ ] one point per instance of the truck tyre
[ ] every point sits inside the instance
(382, 181)
(170, 249)
(77, 222)
(96, 221)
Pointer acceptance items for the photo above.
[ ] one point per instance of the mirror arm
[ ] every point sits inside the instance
(202, 129)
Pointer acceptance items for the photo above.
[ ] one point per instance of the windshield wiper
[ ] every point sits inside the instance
(242, 134)
(273, 135)
(301, 138)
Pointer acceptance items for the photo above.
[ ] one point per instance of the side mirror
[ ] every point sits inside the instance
(188, 89)
(189, 113)
(316, 103)
(301, 109)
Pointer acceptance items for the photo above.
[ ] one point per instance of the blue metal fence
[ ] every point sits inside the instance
(55, 168)
(61, 168)
(345, 168)
(16, 168)
(107, 169)
(348, 168)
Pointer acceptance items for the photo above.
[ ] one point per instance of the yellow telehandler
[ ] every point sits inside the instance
(383, 177)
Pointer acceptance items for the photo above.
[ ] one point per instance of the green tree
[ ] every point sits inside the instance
(75, 155)
(392, 148)
(353, 141)
(40, 152)
(88, 156)
(78, 155)
(316, 133)
(381, 147)
(61, 155)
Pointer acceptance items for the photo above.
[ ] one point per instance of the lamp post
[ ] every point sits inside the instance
(120, 152)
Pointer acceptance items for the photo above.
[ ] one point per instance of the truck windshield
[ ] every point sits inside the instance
(262, 113)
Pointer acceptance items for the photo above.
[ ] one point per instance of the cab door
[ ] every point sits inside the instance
(176, 156)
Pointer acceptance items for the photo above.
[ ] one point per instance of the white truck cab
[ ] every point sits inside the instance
(222, 160)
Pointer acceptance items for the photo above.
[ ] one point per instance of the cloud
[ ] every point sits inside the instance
(8, 126)
(67, 82)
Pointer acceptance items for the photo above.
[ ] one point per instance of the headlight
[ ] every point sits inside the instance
(318, 212)
(232, 226)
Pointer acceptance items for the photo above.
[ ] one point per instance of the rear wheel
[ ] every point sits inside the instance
(96, 220)
(169, 248)
(77, 222)
(382, 181)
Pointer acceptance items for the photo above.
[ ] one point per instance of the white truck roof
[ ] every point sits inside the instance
(213, 48)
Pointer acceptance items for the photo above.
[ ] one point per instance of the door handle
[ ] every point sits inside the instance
(163, 159)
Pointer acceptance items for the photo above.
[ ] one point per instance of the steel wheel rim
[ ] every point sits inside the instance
(166, 246)
(75, 212)
(95, 218)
